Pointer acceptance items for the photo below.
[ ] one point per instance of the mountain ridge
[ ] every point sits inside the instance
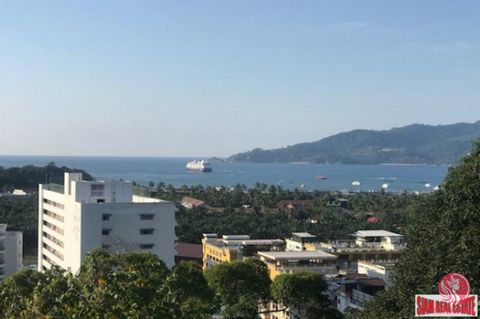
(411, 144)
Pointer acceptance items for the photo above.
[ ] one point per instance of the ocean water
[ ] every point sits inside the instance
(288, 175)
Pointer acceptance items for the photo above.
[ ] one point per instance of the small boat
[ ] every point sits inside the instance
(356, 183)
(436, 188)
(427, 185)
(385, 186)
(320, 178)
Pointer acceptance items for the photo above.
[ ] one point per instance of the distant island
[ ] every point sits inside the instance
(412, 144)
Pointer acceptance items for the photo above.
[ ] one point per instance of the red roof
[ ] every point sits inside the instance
(193, 201)
(189, 250)
(373, 220)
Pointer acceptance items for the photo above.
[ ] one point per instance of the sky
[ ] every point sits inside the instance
(213, 78)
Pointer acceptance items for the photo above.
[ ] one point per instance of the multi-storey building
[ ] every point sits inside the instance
(80, 216)
(367, 245)
(301, 242)
(11, 246)
(280, 262)
(234, 247)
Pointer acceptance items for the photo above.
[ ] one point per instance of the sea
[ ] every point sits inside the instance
(170, 170)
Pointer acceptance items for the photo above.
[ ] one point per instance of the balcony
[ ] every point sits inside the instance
(54, 188)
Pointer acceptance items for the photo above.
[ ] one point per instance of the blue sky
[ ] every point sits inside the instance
(179, 78)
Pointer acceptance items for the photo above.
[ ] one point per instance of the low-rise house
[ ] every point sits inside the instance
(188, 252)
(190, 202)
(356, 293)
(295, 204)
(373, 220)
(380, 269)
(339, 202)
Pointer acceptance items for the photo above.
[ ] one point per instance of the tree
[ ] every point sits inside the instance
(121, 286)
(15, 293)
(304, 293)
(186, 293)
(241, 286)
(443, 238)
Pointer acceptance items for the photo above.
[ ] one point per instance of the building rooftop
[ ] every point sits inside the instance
(386, 264)
(189, 250)
(304, 235)
(376, 233)
(262, 242)
(193, 201)
(296, 255)
(235, 237)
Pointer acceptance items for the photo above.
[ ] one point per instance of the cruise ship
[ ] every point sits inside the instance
(202, 166)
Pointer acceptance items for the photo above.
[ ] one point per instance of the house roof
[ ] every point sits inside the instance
(376, 233)
(189, 250)
(294, 203)
(373, 220)
(376, 282)
(304, 235)
(296, 255)
(193, 201)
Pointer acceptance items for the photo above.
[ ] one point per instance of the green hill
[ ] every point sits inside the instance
(412, 144)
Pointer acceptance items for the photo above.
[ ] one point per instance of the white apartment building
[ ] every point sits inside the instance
(81, 216)
(11, 255)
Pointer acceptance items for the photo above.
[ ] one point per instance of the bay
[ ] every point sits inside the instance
(288, 175)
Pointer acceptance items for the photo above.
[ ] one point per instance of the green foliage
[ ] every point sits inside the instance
(241, 286)
(443, 238)
(30, 176)
(268, 221)
(304, 291)
(133, 285)
(16, 293)
(186, 293)
(139, 286)
(22, 214)
(443, 144)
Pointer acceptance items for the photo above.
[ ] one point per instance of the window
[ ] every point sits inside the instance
(106, 232)
(146, 216)
(146, 246)
(106, 216)
(146, 231)
(97, 190)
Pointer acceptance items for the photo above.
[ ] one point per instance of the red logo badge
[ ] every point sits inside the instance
(454, 288)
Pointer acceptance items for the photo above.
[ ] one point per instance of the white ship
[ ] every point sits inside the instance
(356, 183)
(385, 186)
(202, 166)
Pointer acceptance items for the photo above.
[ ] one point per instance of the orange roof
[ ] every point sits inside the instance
(193, 201)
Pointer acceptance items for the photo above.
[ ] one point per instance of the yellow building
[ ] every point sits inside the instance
(229, 248)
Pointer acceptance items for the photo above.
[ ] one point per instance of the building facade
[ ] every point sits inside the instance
(81, 216)
(11, 255)
(229, 248)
